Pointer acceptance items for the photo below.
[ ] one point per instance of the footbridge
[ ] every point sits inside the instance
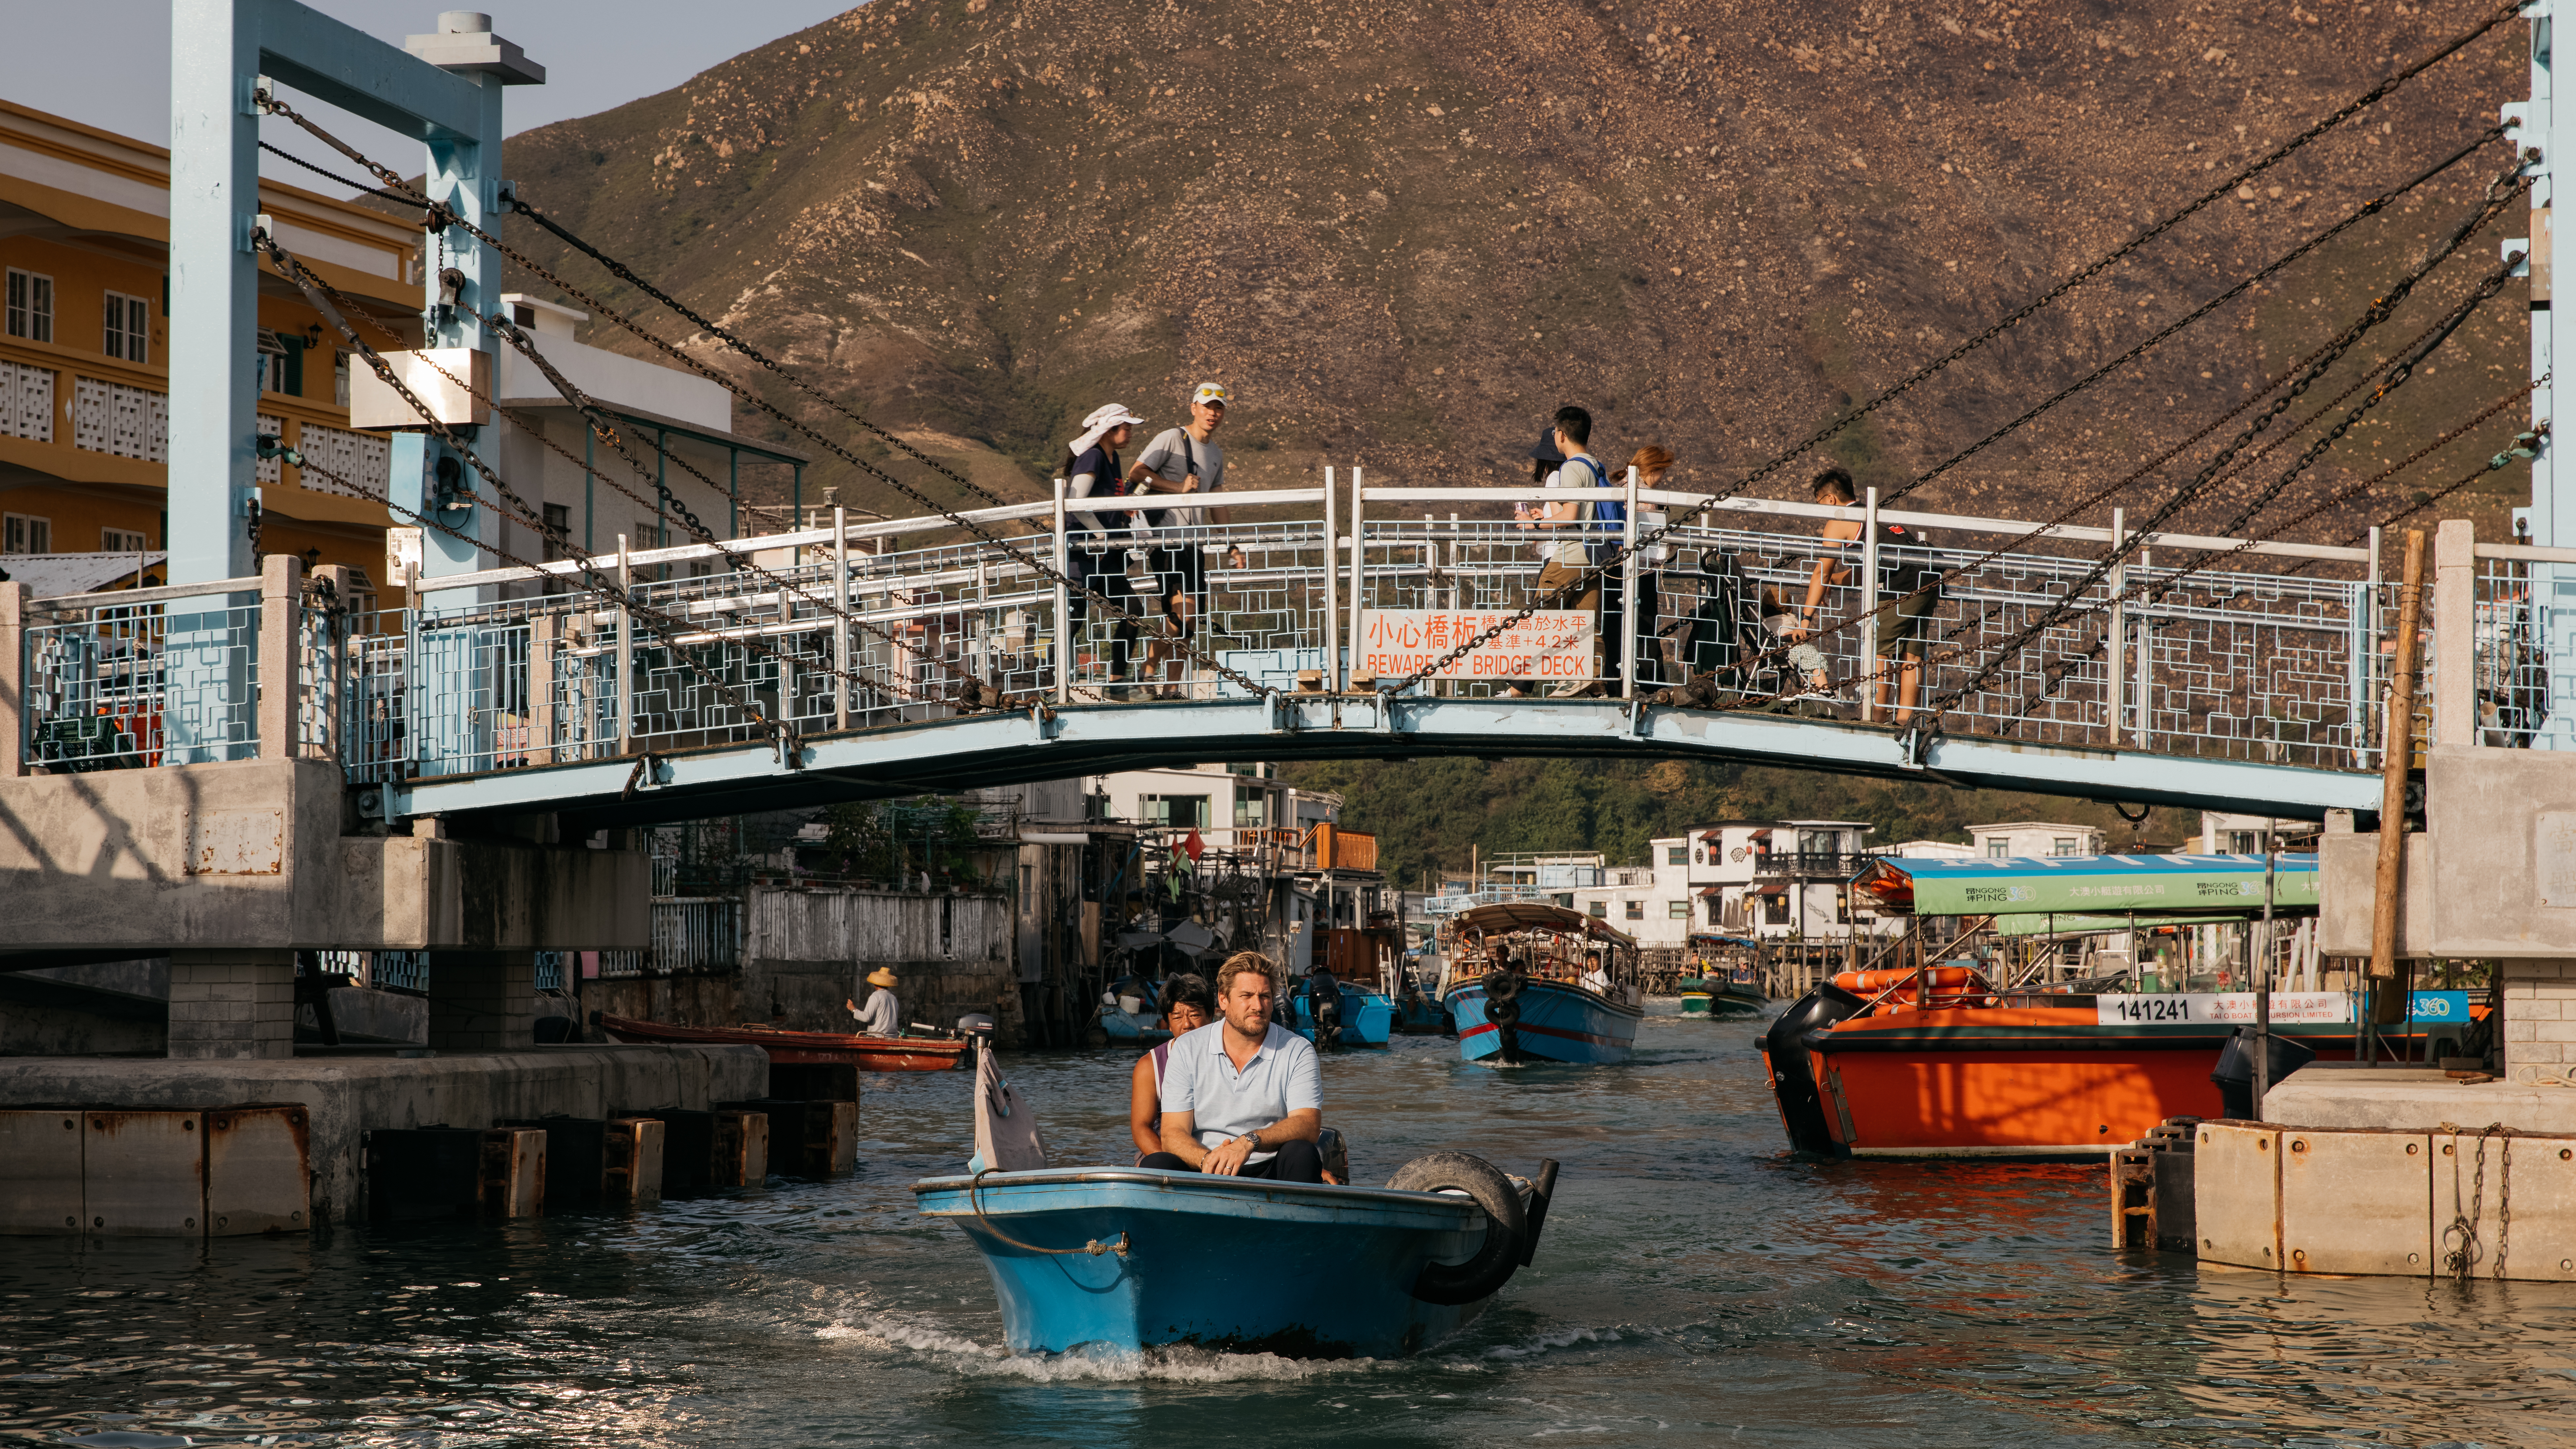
(888, 658)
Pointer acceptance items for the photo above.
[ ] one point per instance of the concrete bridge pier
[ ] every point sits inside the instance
(482, 1001)
(232, 1005)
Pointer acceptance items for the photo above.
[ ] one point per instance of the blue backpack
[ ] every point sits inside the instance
(1611, 511)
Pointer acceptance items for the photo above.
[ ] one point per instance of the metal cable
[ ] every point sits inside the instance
(2313, 369)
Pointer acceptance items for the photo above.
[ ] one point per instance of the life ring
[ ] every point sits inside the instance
(1499, 1256)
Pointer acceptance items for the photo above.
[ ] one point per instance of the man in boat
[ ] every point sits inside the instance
(1188, 1004)
(883, 1015)
(1243, 1096)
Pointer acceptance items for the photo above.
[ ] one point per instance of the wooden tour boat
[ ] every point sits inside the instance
(807, 1048)
(1523, 985)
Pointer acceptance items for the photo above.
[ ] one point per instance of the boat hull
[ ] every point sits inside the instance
(2006, 1082)
(1559, 1022)
(1368, 1018)
(802, 1048)
(1238, 1264)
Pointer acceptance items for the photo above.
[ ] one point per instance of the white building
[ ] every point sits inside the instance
(1650, 902)
(2223, 834)
(1927, 850)
(2034, 838)
(1776, 879)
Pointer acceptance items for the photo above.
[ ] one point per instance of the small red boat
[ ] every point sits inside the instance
(805, 1048)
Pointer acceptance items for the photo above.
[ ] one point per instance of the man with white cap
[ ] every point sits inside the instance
(1098, 473)
(1185, 459)
(883, 1015)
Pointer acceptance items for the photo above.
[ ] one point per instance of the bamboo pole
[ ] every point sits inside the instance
(2395, 761)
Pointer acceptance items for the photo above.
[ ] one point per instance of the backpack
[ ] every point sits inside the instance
(1896, 580)
(1613, 511)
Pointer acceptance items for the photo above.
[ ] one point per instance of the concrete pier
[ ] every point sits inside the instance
(349, 1095)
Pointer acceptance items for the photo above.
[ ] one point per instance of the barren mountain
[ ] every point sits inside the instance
(1404, 232)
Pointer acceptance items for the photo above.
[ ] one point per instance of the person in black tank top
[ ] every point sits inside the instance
(1908, 591)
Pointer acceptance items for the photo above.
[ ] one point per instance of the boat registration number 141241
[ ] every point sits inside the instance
(2229, 1007)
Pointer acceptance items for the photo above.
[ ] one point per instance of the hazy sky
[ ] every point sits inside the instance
(106, 63)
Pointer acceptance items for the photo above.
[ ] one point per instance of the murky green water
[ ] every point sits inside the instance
(1696, 1287)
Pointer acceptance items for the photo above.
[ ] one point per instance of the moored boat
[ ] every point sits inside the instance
(1533, 981)
(1973, 1073)
(1328, 1012)
(805, 1048)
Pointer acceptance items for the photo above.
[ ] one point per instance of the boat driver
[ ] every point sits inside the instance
(1243, 1096)
(883, 1015)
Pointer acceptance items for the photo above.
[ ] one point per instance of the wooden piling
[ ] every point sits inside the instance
(2396, 759)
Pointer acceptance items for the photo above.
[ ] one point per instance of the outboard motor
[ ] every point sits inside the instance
(977, 1028)
(1324, 999)
(1793, 1081)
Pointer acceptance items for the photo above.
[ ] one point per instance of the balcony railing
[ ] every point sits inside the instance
(1808, 864)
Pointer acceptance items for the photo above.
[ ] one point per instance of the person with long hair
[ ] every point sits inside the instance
(1188, 1004)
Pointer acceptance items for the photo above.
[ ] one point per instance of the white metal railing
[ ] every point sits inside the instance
(2271, 653)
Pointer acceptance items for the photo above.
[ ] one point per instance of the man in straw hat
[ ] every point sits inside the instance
(883, 1015)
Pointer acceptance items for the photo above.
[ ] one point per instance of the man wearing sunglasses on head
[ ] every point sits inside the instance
(1185, 459)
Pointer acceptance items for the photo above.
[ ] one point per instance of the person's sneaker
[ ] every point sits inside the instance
(1592, 690)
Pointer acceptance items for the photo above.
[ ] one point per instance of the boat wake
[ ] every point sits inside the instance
(1153, 1365)
(1549, 1342)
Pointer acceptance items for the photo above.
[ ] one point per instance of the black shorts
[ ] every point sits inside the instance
(1182, 568)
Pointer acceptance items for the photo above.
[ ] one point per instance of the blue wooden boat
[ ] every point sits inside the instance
(1362, 1016)
(1418, 1012)
(1534, 981)
(1239, 1264)
(1125, 1258)
(1142, 1026)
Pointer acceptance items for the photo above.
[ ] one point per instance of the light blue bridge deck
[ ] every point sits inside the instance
(2249, 682)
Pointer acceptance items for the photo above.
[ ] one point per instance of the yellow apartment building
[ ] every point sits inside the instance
(84, 381)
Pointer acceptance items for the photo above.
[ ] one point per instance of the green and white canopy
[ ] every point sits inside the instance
(2157, 886)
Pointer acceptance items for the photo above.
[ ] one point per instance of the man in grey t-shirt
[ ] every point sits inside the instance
(1185, 459)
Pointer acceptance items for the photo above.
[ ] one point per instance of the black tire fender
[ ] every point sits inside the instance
(1503, 1013)
(1499, 1256)
(1502, 986)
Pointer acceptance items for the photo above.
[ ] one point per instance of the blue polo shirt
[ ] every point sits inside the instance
(1200, 1079)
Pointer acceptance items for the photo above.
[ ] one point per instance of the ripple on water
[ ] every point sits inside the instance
(1696, 1286)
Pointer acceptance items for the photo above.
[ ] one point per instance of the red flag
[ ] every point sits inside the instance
(1194, 847)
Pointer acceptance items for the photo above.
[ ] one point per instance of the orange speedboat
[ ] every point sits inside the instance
(1936, 1063)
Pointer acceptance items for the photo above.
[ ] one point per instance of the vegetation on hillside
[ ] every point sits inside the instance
(1426, 813)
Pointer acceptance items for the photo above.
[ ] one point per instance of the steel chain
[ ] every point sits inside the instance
(889, 685)
(439, 217)
(596, 581)
(2380, 310)
(2368, 209)
(626, 274)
